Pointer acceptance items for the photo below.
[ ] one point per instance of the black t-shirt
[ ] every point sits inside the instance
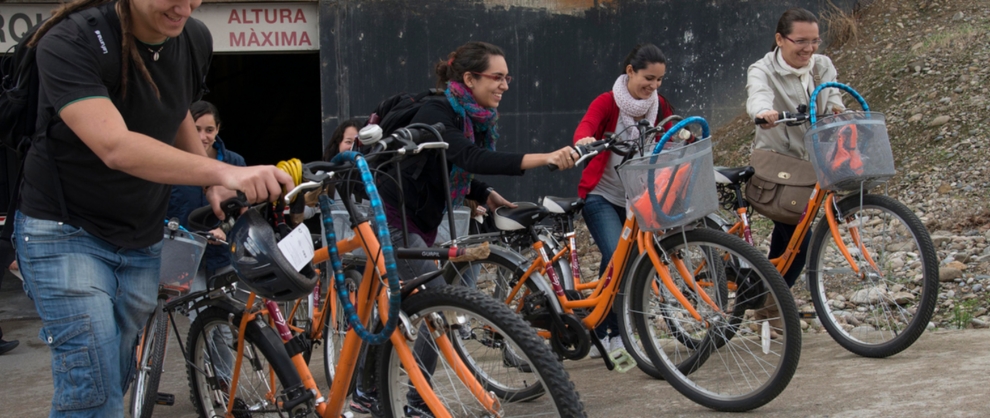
(424, 196)
(117, 207)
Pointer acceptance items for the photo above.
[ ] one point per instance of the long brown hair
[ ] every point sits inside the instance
(786, 23)
(128, 48)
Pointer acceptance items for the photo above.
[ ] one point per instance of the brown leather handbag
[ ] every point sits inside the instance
(781, 186)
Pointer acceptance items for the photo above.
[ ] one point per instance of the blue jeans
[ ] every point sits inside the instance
(604, 222)
(94, 299)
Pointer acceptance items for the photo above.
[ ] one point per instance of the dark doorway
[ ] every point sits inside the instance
(269, 105)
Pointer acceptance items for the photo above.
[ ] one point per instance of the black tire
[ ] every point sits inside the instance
(728, 361)
(151, 363)
(212, 348)
(627, 329)
(874, 314)
(492, 326)
(335, 326)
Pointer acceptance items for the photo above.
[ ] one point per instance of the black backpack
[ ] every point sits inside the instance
(19, 118)
(398, 111)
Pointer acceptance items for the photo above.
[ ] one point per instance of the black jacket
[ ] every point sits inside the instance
(424, 196)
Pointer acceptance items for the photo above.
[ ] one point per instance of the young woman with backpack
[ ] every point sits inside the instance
(473, 78)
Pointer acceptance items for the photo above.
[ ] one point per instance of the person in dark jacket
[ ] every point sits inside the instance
(185, 199)
(474, 77)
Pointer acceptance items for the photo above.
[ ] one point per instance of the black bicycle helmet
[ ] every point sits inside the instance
(259, 262)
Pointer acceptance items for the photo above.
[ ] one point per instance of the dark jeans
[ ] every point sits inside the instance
(604, 222)
(779, 239)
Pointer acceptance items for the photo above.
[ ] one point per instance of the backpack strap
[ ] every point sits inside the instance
(196, 35)
(93, 19)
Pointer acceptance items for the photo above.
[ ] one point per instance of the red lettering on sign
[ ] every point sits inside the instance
(233, 17)
(237, 40)
(300, 16)
(285, 15)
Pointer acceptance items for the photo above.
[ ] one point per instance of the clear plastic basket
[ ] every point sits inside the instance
(850, 150)
(181, 253)
(673, 188)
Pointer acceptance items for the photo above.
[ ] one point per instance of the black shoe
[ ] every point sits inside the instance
(417, 410)
(365, 404)
(6, 346)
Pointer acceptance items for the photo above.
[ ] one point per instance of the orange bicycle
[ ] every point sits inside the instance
(678, 306)
(245, 360)
(872, 267)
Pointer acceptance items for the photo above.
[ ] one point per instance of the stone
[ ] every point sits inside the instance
(957, 17)
(866, 296)
(939, 121)
(956, 265)
(917, 117)
(948, 274)
(978, 323)
(903, 298)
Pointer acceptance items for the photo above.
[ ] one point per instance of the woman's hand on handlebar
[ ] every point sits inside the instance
(218, 237)
(563, 158)
(769, 116)
(584, 141)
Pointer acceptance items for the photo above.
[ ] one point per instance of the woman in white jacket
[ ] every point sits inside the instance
(780, 81)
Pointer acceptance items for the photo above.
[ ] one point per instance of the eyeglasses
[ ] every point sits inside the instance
(498, 78)
(804, 42)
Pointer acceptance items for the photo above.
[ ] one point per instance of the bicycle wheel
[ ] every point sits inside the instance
(728, 360)
(336, 327)
(212, 351)
(884, 308)
(151, 361)
(493, 332)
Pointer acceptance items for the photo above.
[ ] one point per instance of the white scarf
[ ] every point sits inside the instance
(631, 107)
(803, 73)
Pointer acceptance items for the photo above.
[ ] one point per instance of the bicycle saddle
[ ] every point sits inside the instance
(737, 175)
(524, 216)
(562, 205)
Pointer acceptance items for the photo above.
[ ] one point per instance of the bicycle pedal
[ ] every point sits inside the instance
(166, 399)
(808, 315)
(622, 360)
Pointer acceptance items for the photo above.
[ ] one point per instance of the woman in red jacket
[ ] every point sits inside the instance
(633, 97)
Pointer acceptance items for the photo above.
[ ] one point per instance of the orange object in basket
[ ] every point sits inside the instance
(667, 194)
(847, 151)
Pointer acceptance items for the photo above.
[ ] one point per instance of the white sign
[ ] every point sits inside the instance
(261, 27)
(16, 19)
(297, 247)
(236, 27)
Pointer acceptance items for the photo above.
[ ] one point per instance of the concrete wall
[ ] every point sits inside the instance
(561, 53)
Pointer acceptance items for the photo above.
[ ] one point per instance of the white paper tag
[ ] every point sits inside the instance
(297, 247)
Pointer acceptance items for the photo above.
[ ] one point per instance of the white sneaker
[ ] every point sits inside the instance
(615, 343)
(594, 353)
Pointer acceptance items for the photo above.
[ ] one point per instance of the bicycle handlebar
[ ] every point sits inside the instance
(790, 118)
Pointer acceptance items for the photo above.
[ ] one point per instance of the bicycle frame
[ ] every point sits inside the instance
(369, 291)
(607, 286)
(818, 199)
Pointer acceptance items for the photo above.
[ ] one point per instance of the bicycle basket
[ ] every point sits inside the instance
(181, 253)
(849, 149)
(672, 188)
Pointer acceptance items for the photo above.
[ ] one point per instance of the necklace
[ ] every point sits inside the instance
(155, 53)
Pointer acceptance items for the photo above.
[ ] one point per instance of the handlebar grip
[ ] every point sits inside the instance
(760, 121)
(203, 219)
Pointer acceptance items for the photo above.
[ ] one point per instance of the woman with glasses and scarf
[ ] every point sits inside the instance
(633, 97)
(474, 77)
(781, 81)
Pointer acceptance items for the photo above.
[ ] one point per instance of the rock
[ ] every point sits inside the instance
(977, 288)
(867, 296)
(979, 323)
(804, 325)
(945, 188)
(903, 298)
(948, 274)
(945, 100)
(957, 17)
(917, 117)
(939, 121)
(916, 47)
(956, 265)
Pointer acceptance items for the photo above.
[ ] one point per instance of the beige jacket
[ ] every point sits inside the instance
(771, 87)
